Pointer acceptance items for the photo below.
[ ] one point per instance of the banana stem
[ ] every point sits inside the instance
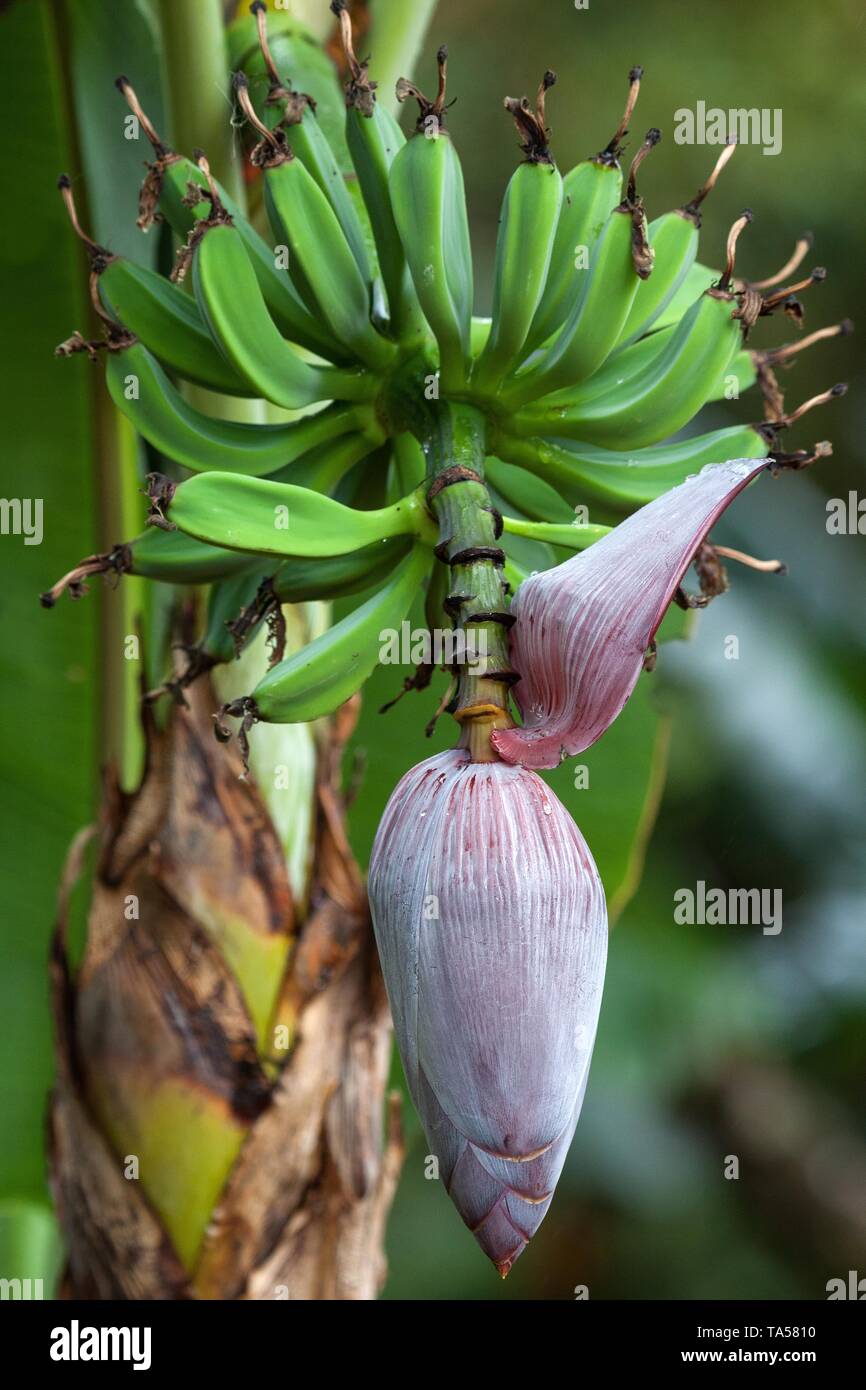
(452, 436)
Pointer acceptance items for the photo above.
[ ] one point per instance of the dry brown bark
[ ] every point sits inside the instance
(153, 1004)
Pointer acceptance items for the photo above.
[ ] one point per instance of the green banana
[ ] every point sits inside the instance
(321, 260)
(590, 192)
(658, 402)
(408, 466)
(167, 188)
(271, 518)
(319, 678)
(513, 574)
(673, 239)
(747, 366)
(226, 601)
(374, 142)
(159, 313)
(585, 339)
(237, 316)
(154, 310)
(699, 278)
(583, 472)
(312, 149)
(620, 372)
(527, 227)
(303, 580)
(238, 606)
(168, 557)
(479, 332)
(167, 321)
(142, 391)
(436, 615)
(529, 495)
(674, 242)
(528, 557)
(174, 558)
(324, 467)
(310, 144)
(741, 373)
(295, 50)
(429, 205)
(570, 535)
(619, 261)
(374, 138)
(626, 371)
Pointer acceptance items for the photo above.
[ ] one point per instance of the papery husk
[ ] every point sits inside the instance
(261, 1171)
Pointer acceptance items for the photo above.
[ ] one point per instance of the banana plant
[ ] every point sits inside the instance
(427, 454)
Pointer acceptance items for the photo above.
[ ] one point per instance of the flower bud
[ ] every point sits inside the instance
(583, 628)
(492, 932)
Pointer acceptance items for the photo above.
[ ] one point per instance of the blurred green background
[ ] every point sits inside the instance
(714, 1040)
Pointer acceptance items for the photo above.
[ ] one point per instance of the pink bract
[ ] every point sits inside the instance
(583, 628)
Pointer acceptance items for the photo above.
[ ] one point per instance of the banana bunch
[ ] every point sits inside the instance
(352, 318)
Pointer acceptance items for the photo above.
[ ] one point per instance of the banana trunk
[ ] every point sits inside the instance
(215, 1129)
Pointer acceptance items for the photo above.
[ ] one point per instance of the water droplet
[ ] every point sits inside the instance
(547, 808)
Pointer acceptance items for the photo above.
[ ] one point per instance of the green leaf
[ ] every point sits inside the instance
(51, 669)
(99, 46)
(48, 669)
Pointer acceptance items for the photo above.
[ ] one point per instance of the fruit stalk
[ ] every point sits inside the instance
(452, 436)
